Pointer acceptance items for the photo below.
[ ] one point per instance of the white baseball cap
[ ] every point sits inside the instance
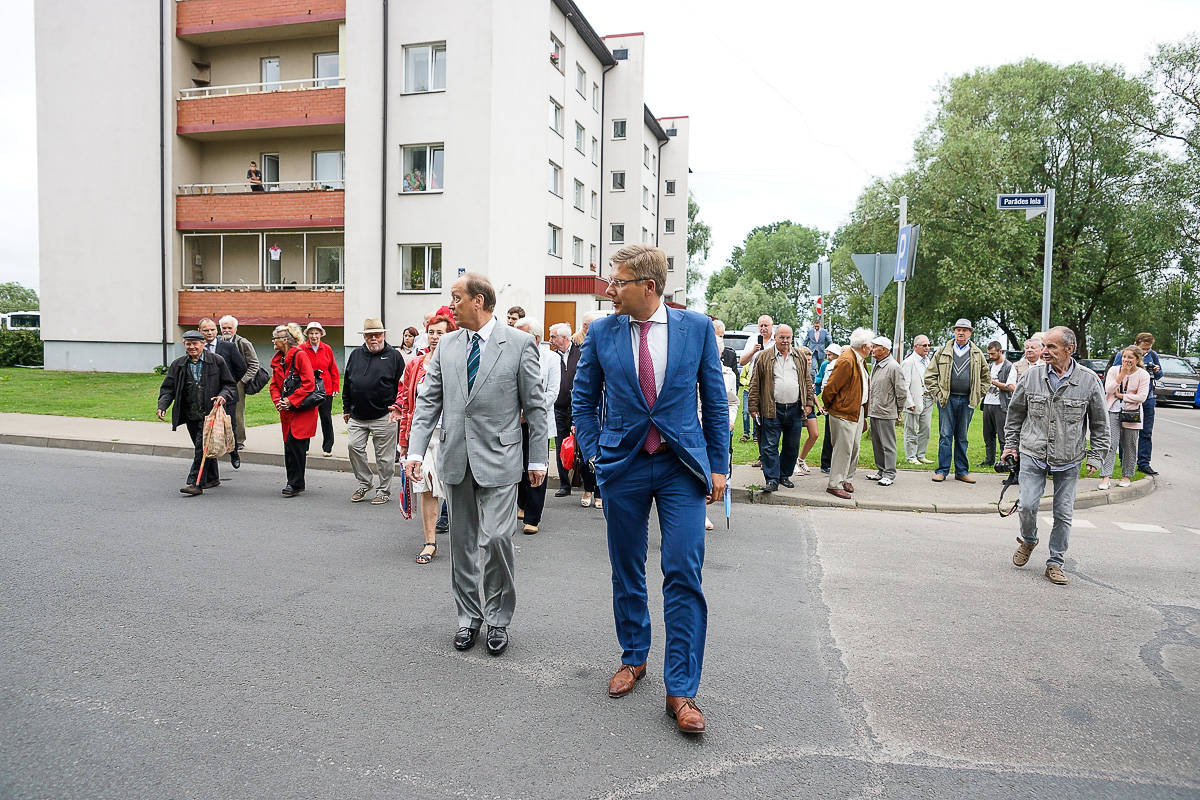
(836, 349)
(882, 341)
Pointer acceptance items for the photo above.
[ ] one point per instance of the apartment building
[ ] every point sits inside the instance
(395, 146)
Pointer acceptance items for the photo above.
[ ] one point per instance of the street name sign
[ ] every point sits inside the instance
(1031, 203)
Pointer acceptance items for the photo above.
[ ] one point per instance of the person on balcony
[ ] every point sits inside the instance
(325, 365)
(255, 177)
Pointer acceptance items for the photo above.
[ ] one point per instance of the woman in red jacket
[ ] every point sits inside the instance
(321, 356)
(298, 426)
(429, 488)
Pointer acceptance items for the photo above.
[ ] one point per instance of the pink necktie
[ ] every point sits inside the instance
(646, 379)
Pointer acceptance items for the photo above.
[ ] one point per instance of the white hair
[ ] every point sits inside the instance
(861, 337)
(592, 316)
(228, 318)
(530, 325)
(560, 329)
(719, 324)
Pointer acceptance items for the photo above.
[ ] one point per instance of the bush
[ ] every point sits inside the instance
(20, 349)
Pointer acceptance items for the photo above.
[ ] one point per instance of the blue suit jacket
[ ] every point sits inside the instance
(607, 374)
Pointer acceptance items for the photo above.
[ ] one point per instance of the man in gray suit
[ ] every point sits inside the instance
(481, 379)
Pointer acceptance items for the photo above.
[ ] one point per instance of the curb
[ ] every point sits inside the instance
(753, 496)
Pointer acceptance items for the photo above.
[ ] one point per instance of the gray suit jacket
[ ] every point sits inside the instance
(484, 427)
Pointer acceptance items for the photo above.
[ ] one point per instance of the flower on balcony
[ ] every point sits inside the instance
(592, 266)
(554, 58)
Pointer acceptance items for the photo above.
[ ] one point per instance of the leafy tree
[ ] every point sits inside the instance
(777, 256)
(746, 301)
(699, 243)
(15, 297)
(721, 279)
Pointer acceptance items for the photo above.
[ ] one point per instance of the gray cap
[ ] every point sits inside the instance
(193, 336)
(964, 323)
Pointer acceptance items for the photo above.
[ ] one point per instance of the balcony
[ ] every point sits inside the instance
(239, 111)
(286, 204)
(276, 260)
(261, 307)
(221, 22)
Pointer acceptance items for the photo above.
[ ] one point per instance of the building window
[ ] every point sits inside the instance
(645, 156)
(556, 116)
(592, 257)
(670, 263)
(329, 169)
(668, 226)
(421, 267)
(594, 204)
(425, 68)
(621, 54)
(653, 165)
(595, 150)
(325, 69)
(618, 129)
(329, 266)
(577, 251)
(672, 132)
(645, 197)
(580, 137)
(424, 166)
(670, 187)
(645, 236)
(580, 80)
(579, 195)
(618, 181)
(618, 233)
(555, 179)
(556, 53)
(595, 97)
(554, 240)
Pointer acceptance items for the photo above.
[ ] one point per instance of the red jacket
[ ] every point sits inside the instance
(406, 398)
(297, 424)
(323, 360)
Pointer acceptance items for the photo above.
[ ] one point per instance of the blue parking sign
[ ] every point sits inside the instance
(904, 249)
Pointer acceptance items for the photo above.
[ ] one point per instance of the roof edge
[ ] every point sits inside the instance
(586, 31)
(653, 125)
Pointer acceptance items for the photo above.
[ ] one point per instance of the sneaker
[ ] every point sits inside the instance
(327, 455)
(885, 481)
(874, 477)
(1054, 573)
(380, 498)
(1024, 551)
(359, 494)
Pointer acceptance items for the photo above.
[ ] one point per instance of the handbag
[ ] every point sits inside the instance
(260, 379)
(1132, 415)
(292, 382)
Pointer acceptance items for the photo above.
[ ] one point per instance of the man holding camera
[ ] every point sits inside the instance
(1046, 425)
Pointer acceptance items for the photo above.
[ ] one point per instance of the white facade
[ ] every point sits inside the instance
(513, 148)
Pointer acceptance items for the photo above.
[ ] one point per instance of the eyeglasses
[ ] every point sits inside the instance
(619, 284)
(278, 338)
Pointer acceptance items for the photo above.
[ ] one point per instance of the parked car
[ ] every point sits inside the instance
(737, 339)
(1096, 365)
(1194, 361)
(1178, 381)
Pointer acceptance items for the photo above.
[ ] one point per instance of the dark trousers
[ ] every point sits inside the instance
(993, 430)
(679, 496)
(954, 420)
(562, 429)
(1144, 443)
(295, 454)
(530, 499)
(827, 446)
(779, 461)
(326, 413)
(212, 472)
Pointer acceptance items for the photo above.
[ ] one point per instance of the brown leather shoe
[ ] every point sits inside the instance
(965, 478)
(686, 713)
(622, 683)
(938, 477)
(836, 492)
(848, 486)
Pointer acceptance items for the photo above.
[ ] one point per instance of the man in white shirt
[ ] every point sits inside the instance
(995, 403)
(532, 499)
(918, 415)
(754, 346)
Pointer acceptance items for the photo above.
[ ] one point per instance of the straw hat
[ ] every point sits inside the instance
(373, 325)
(315, 324)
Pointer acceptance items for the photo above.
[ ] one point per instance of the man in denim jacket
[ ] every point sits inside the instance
(1046, 424)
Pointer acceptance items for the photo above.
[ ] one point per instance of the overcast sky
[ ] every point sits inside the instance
(794, 106)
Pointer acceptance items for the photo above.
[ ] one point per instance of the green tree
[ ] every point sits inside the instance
(15, 297)
(746, 301)
(699, 243)
(780, 260)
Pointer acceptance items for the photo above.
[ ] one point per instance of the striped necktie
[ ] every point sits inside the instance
(472, 362)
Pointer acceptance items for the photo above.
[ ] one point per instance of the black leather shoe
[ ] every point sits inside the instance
(235, 459)
(563, 491)
(288, 491)
(1148, 470)
(497, 640)
(465, 638)
(771, 487)
(787, 483)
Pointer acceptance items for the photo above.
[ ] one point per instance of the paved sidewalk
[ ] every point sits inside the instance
(914, 490)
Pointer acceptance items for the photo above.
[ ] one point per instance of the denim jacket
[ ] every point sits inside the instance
(1050, 426)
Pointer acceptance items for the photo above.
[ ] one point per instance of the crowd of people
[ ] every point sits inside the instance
(469, 405)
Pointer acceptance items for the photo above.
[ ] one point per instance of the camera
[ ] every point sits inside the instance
(1008, 464)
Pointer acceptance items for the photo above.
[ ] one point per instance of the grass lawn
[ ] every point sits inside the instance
(100, 395)
(746, 452)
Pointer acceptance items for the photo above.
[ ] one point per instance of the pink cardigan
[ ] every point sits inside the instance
(1137, 389)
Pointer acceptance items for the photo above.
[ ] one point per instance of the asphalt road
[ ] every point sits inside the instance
(244, 645)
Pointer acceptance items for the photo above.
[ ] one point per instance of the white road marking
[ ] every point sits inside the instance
(1140, 527)
(1184, 424)
(1192, 530)
(1077, 523)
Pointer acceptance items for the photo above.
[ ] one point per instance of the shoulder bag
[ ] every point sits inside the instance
(292, 382)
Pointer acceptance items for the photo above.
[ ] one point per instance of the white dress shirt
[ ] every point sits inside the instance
(656, 340)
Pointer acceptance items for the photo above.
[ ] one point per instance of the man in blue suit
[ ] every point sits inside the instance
(649, 363)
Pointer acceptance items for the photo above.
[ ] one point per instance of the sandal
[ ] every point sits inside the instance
(586, 502)
(802, 468)
(745, 438)
(425, 558)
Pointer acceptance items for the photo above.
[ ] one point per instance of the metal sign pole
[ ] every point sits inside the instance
(1047, 259)
(875, 292)
(898, 343)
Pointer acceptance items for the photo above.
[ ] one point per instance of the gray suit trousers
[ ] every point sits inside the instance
(883, 446)
(483, 520)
